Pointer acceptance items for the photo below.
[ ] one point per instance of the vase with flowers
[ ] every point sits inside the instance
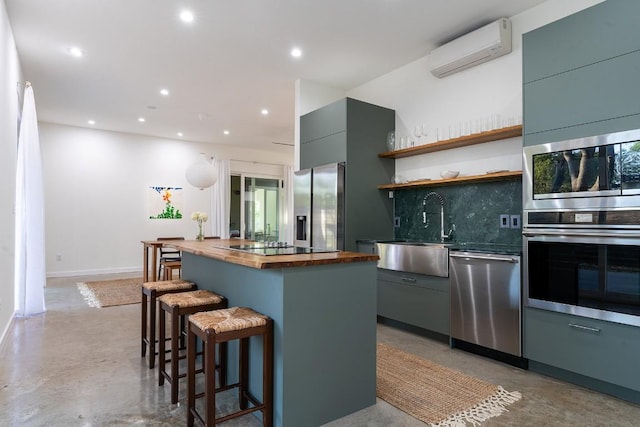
(200, 218)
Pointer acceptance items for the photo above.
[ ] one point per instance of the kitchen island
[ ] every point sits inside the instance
(324, 311)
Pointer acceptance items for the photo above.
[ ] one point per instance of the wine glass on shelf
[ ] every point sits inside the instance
(418, 133)
(424, 130)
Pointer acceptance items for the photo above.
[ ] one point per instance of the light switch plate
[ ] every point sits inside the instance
(504, 221)
(514, 220)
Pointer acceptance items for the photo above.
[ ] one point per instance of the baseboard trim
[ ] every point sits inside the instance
(97, 271)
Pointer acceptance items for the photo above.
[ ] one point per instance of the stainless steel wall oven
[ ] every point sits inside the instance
(581, 227)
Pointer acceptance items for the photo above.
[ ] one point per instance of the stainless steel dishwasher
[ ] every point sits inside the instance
(486, 301)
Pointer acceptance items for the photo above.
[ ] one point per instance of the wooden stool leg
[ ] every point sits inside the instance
(267, 369)
(144, 324)
(243, 373)
(222, 363)
(152, 330)
(191, 375)
(175, 331)
(183, 332)
(162, 361)
(210, 381)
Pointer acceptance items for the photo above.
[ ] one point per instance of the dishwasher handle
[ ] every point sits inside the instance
(487, 257)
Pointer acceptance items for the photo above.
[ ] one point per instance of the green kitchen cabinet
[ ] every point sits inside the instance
(354, 132)
(604, 31)
(593, 349)
(415, 299)
(580, 74)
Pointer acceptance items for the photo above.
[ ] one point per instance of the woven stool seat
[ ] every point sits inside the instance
(218, 327)
(228, 319)
(191, 299)
(167, 285)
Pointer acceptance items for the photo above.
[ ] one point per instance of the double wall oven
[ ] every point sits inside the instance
(581, 226)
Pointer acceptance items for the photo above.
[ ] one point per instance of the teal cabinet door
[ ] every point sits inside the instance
(601, 32)
(414, 299)
(602, 350)
(580, 74)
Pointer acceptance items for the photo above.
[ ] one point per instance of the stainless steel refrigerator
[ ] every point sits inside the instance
(319, 207)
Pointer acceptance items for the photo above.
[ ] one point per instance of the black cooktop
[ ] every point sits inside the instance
(263, 249)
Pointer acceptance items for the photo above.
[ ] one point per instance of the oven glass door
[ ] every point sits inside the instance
(630, 176)
(580, 172)
(599, 277)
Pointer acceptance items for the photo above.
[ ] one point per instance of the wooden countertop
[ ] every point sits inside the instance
(219, 249)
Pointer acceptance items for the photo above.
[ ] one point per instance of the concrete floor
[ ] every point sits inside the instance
(81, 366)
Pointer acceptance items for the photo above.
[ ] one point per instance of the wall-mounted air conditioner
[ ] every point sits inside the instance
(485, 43)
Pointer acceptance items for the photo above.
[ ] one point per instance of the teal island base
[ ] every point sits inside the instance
(325, 332)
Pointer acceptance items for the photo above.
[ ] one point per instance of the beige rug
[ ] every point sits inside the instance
(435, 394)
(107, 293)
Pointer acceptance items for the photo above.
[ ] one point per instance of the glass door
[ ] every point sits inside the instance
(261, 209)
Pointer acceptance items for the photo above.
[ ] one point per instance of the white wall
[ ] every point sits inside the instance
(96, 193)
(10, 74)
(469, 96)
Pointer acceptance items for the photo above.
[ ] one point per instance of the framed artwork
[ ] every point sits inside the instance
(165, 202)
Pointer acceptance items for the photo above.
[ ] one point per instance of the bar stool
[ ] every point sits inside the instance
(168, 267)
(153, 290)
(177, 306)
(219, 326)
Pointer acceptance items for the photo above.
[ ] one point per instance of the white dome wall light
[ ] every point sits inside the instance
(202, 174)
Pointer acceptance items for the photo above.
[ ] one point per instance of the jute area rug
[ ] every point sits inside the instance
(435, 394)
(107, 293)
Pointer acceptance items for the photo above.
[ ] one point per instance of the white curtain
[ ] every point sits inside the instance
(221, 199)
(286, 217)
(30, 260)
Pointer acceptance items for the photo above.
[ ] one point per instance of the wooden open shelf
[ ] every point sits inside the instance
(498, 176)
(463, 141)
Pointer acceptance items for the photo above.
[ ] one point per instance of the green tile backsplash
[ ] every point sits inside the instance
(475, 209)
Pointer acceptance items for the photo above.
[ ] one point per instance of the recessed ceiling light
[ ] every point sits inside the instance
(164, 92)
(296, 52)
(75, 51)
(179, 134)
(141, 119)
(186, 16)
(226, 132)
(91, 122)
(264, 112)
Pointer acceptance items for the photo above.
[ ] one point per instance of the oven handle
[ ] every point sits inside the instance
(571, 233)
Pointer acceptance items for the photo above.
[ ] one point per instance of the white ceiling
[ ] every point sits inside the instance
(227, 65)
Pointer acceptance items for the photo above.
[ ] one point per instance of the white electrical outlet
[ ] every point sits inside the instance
(514, 221)
(504, 221)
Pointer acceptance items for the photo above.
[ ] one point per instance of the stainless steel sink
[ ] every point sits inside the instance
(415, 257)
